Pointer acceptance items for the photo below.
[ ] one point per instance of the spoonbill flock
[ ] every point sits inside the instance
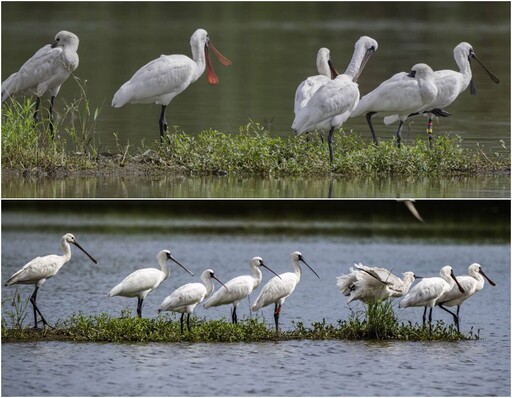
(322, 102)
(364, 283)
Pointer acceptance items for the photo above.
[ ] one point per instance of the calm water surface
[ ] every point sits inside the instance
(273, 48)
(325, 368)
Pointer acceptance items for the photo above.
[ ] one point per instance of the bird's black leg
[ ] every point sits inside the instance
(36, 113)
(399, 134)
(277, 310)
(181, 321)
(139, 307)
(162, 123)
(429, 131)
(234, 319)
(455, 316)
(424, 316)
(369, 120)
(33, 300)
(329, 141)
(52, 100)
(188, 322)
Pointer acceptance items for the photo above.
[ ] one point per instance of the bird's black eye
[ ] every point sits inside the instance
(212, 274)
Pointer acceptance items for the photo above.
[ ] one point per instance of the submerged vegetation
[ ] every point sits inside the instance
(378, 323)
(29, 149)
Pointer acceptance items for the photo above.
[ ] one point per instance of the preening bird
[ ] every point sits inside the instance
(306, 89)
(370, 284)
(402, 94)
(280, 287)
(450, 84)
(143, 281)
(333, 102)
(238, 288)
(47, 70)
(472, 283)
(185, 298)
(428, 291)
(162, 79)
(37, 271)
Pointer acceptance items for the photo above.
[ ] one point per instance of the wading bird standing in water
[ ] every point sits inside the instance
(162, 79)
(37, 271)
(47, 70)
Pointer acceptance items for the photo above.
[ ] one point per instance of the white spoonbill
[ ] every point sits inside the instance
(331, 105)
(185, 298)
(143, 281)
(279, 288)
(238, 288)
(369, 284)
(308, 87)
(162, 79)
(450, 85)
(37, 271)
(429, 290)
(402, 94)
(472, 283)
(47, 70)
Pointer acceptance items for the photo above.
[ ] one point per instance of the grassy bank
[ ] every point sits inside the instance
(253, 151)
(379, 323)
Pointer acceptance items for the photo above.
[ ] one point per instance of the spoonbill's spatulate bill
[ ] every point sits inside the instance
(370, 284)
(238, 288)
(279, 288)
(37, 271)
(308, 87)
(402, 94)
(450, 84)
(185, 298)
(428, 291)
(47, 70)
(143, 281)
(472, 283)
(164, 78)
(336, 99)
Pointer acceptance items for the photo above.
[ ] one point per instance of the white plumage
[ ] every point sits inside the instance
(185, 298)
(45, 71)
(38, 270)
(335, 100)
(279, 288)
(143, 281)
(308, 87)
(162, 79)
(429, 290)
(402, 94)
(450, 84)
(238, 288)
(472, 283)
(369, 284)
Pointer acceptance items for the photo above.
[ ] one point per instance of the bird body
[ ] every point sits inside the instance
(472, 283)
(38, 270)
(45, 71)
(334, 101)
(450, 84)
(185, 298)
(428, 291)
(143, 281)
(236, 289)
(369, 284)
(402, 94)
(308, 87)
(280, 287)
(162, 79)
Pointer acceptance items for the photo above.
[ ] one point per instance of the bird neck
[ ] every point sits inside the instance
(208, 283)
(165, 268)
(464, 67)
(199, 56)
(355, 62)
(257, 276)
(66, 248)
(296, 268)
